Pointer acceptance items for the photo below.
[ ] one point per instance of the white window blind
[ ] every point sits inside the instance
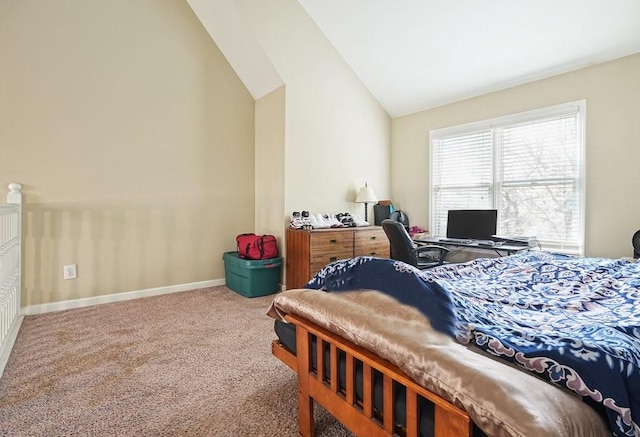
(527, 166)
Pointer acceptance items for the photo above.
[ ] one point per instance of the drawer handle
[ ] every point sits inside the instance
(333, 258)
(372, 253)
(333, 241)
(372, 238)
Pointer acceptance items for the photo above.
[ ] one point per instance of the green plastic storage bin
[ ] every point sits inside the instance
(252, 278)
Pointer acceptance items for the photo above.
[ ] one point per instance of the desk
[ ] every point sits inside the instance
(500, 249)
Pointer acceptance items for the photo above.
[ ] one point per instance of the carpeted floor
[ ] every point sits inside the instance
(196, 363)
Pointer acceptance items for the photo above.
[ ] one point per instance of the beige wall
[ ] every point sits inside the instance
(269, 165)
(134, 140)
(336, 134)
(612, 92)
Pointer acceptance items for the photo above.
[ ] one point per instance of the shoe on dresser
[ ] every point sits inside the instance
(359, 222)
(346, 219)
(317, 224)
(296, 221)
(306, 222)
(322, 222)
(333, 221)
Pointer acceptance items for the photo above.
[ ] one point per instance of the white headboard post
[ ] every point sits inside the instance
(15, 193)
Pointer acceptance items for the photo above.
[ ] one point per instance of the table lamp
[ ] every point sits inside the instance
(366, 196)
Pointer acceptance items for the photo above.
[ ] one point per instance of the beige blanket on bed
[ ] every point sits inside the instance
(500, 399)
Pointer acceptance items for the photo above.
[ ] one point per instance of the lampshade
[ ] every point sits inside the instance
(366, 195)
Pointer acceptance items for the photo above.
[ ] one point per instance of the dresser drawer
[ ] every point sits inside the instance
(380, 250)
(331, 242)
(320, 262)
(371, 242)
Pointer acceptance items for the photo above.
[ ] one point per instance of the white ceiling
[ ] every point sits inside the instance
(226, 26)
(418, 54)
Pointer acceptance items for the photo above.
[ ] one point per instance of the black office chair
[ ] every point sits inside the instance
(403, 248)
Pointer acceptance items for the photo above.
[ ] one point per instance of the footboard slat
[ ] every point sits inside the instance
(450, 421)
(350, 382)
(412, 413)
(367, 391)
(320, 358)
(334, 368)
(387, 404)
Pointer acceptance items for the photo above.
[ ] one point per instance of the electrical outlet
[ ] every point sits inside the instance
(69, 271)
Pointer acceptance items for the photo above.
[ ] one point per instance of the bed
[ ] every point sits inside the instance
(530, 344)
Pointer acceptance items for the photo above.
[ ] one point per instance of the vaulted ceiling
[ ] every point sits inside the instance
(419, 54)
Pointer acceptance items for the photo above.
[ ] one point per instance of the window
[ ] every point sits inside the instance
(528, 166)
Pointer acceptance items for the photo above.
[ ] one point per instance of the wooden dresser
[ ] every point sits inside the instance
(309, 251)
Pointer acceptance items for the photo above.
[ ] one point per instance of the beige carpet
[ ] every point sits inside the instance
(196, 363)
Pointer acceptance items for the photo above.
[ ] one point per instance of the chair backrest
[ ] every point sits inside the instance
(400, 216)
(400, 242)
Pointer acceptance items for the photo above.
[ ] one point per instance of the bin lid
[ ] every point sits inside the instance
(234, 258)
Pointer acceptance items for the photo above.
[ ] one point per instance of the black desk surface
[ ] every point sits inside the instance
(476, 244)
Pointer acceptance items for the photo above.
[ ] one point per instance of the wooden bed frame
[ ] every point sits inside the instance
(359, 416)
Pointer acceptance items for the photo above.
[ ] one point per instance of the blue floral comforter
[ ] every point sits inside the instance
(572, 321)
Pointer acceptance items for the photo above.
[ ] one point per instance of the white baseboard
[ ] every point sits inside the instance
(7, 344)
(116, 297)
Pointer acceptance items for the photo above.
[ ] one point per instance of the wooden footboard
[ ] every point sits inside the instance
(340, 400)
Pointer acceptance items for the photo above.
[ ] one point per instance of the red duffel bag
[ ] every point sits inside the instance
(252, 246)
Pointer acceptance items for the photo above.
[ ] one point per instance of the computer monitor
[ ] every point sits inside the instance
(474, 224)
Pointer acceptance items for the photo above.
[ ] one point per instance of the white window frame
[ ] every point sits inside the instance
(577, 107)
